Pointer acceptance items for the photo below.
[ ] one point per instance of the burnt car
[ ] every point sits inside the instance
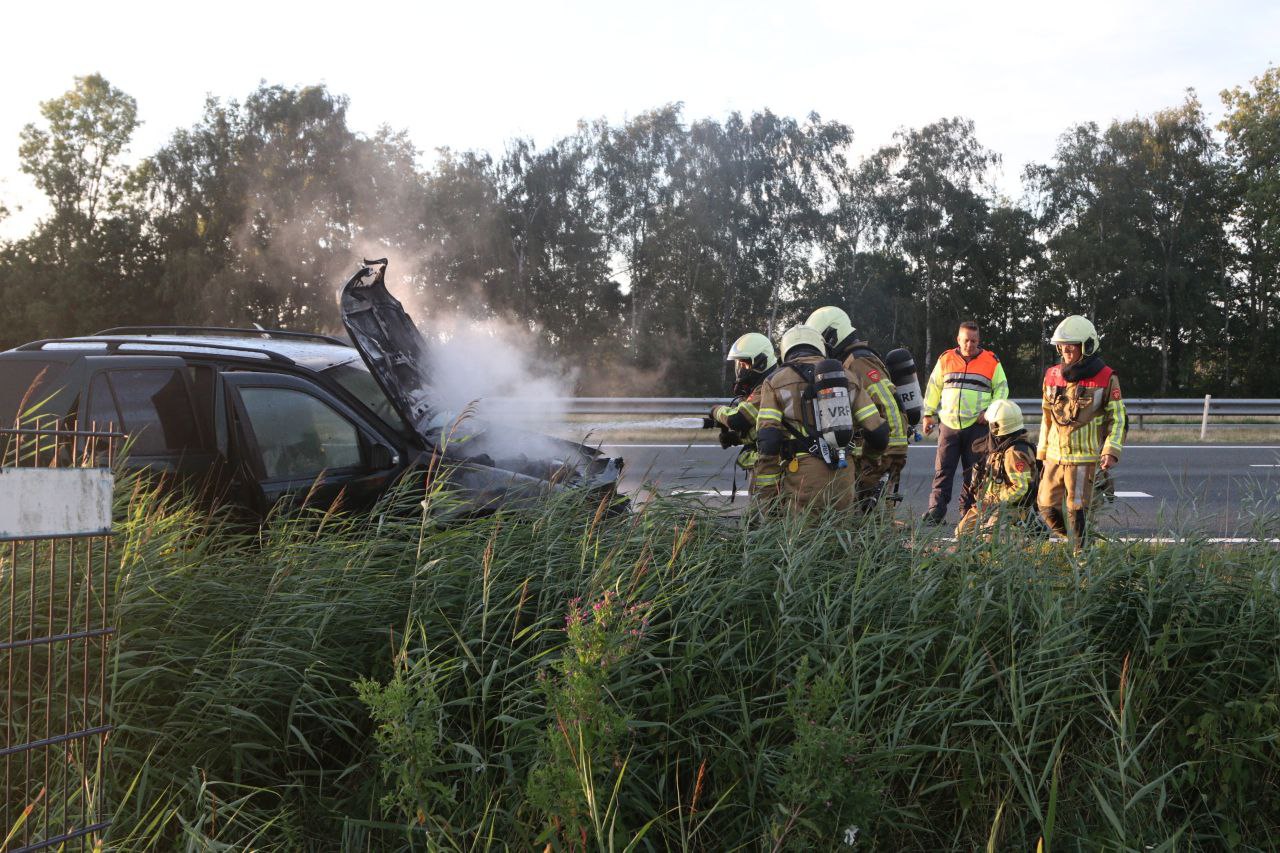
(262, 416)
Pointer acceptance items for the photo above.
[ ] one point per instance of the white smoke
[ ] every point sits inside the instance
(488, 378)
(492, 364)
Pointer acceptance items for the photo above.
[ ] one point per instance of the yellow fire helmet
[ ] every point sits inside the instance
(833, 324)
(1077, 330)
(755, 348)
(800, 335)
(1004, 417)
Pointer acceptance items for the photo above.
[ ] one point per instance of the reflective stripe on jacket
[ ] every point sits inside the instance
(1009, 476)
(874, 376)
(960, 389)
(740, 417)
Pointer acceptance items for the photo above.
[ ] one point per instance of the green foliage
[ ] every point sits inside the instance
(824, 796)
(407, 711)
(582, 754)
(86, 261)
(1252, 128)
(399, 685)
(74, 157)
(637, 251)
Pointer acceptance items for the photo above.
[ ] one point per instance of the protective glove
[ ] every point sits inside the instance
(728, 438)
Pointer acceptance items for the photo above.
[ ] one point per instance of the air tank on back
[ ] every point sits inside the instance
(832, 412)
(902, 371)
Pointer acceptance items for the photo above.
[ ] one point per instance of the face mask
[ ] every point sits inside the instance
(745, 377)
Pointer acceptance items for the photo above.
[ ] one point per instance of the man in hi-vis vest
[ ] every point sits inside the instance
(965, 381)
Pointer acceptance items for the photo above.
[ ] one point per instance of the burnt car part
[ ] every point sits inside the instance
(399, 359)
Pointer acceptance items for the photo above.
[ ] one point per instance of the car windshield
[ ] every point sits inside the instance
(355, 378)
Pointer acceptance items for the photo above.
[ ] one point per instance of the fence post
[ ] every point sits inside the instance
(1204, 419)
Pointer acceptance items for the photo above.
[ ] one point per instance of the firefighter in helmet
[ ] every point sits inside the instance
(1004, 479)
(753, 359)
(843, 343)
(800, 464)
(1082, 427)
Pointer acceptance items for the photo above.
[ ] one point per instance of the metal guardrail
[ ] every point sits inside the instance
(1136, 406)
(1139, 408)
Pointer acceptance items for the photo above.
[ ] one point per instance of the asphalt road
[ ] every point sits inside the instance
(1162, 489)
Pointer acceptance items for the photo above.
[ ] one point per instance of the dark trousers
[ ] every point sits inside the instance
(954, 446)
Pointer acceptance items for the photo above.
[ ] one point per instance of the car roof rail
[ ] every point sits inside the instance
(221, 330)
(115, 344)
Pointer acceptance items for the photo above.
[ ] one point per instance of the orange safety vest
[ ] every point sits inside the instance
(975, 374)
(961, 390)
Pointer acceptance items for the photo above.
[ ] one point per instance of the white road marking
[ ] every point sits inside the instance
(1213, 540)
(1205, 446)
(933, 448)
(743, 491)
(680, 446)
(1170, 540)
(1265, 466)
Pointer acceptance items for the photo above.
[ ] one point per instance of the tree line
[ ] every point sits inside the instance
(637, 251)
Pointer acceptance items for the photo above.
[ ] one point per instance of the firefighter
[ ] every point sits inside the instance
(964, 382)
(1082, 427)
(1004, 484)
(753, 359)
(867, 366)
(798, 465)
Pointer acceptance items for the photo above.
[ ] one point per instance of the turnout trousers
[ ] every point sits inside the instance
(871, 471)
(1070, 485)
(812, 484)
(985, 519)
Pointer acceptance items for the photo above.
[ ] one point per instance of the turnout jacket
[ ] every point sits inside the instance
(1008, 472)
(1082, 414)
(960, 389)
(739, 417)
(864, 363)
(782, 417)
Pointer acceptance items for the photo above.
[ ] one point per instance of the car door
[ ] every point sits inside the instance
(299, 443)
(149, 398)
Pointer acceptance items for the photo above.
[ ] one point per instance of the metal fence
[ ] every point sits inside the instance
(55, 630)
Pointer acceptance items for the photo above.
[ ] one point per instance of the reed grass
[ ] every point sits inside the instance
(674, 680)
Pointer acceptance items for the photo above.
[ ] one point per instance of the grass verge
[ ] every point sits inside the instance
(674, 680)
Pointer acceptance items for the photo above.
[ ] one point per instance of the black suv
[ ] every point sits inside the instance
(271, 415)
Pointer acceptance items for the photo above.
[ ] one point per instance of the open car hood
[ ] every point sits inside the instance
(398, 357)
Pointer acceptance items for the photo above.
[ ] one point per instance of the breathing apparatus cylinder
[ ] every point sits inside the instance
(902, 371)
(832, 411)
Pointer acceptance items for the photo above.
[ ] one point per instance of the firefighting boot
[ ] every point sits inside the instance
(1053, 519)
(1078, 523)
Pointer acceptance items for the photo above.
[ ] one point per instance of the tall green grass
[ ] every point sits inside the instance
(673, 680)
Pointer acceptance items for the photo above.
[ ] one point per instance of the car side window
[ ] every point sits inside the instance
(27, 385)
(101, 412)
(155, 410)
(299, 435)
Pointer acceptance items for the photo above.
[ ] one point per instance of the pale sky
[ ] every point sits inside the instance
(476, 75)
